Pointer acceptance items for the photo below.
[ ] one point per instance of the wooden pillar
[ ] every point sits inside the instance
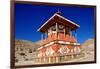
(57, 30)
(70, 35)
(65, 57)
(44, 59)
(54, 59)
(68, 31)
(50, 59)
(50, 31)
(72, 56)
(47, 33)
(65, 32)
(50, 34)
(58, 59)
(41, 59)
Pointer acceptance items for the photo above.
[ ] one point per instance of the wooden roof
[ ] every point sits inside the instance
(57, 18)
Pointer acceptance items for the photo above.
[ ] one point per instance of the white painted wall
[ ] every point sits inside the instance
(5, 34)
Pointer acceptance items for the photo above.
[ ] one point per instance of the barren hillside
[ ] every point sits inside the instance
(26, 52)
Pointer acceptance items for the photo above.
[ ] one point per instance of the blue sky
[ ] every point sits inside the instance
(28, 18)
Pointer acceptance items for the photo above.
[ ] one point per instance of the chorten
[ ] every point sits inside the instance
(57, 39)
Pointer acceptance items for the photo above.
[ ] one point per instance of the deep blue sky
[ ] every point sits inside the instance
(28, 18)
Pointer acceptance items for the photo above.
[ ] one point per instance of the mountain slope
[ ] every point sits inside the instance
(88, 45)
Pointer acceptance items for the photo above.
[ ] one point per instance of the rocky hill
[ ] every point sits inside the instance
(88, 45)
(26, 51)
(25, 44)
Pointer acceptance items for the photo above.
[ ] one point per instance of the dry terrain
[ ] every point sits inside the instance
(26, 52)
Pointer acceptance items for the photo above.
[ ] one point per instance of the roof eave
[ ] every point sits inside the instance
(69, 20)
(58, 16)
(46, 22)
